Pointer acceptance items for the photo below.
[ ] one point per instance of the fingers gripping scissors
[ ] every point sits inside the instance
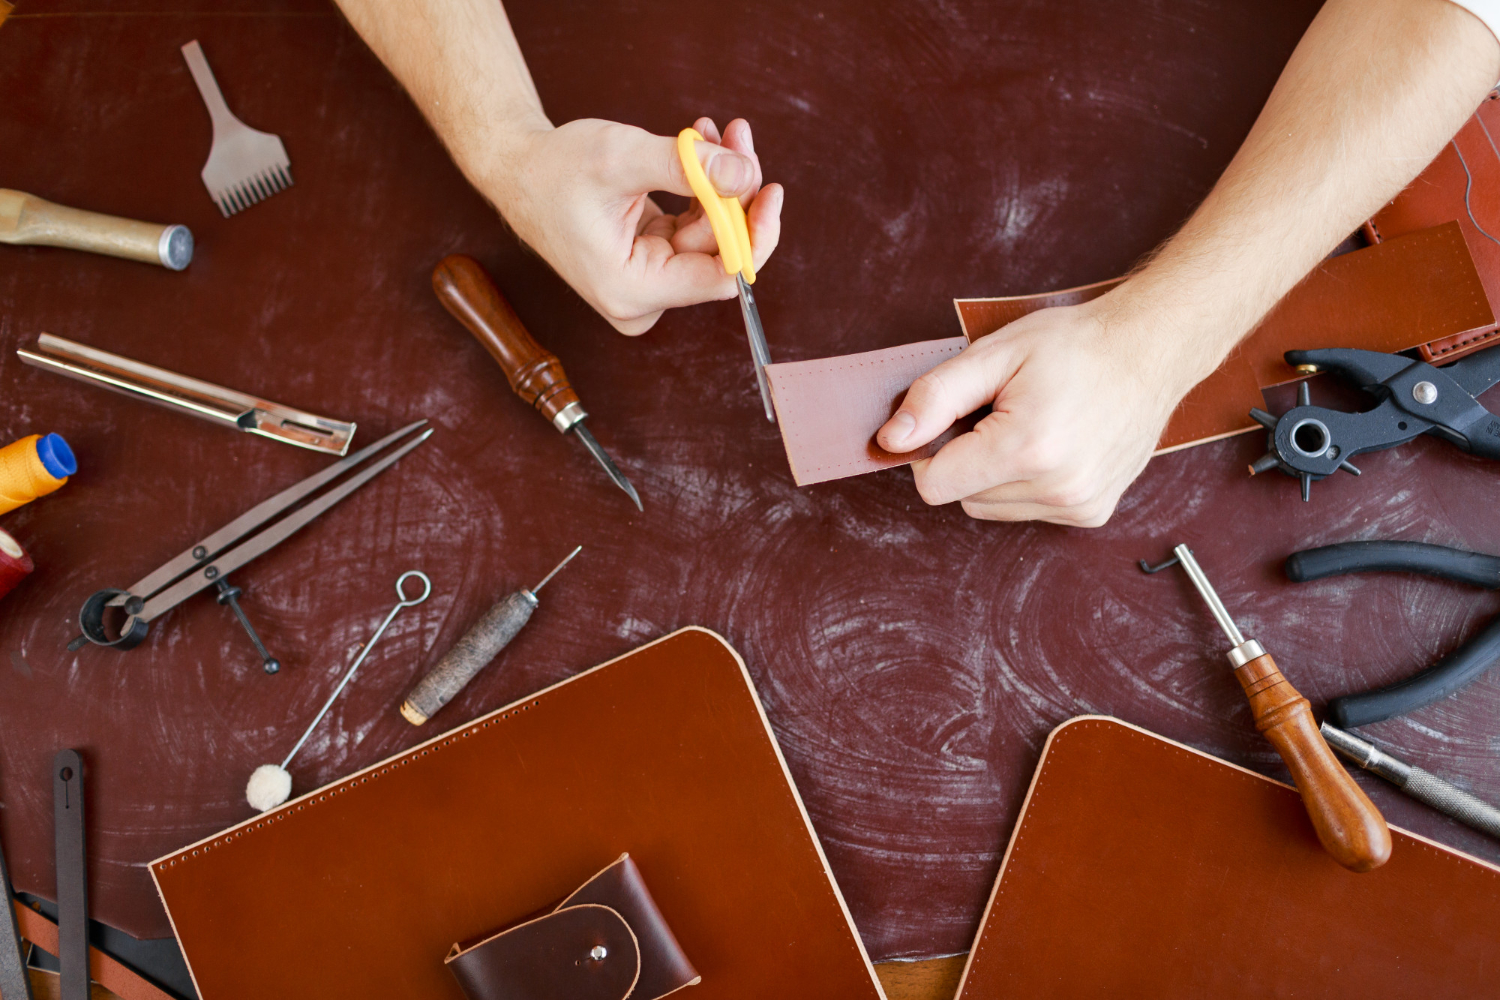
(727, 217)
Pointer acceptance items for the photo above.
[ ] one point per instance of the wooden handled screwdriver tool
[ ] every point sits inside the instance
(479, 646)
(1349, 826)
(534, 372)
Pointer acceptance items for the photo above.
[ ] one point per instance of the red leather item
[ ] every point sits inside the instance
(830, 409)
(1141, 867)
(15, 564)
(1437, 195)
(665, 750)
(1406, 292)
(575, 953)
(553, 957)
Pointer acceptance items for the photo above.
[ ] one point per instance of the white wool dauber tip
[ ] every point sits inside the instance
(269, 787)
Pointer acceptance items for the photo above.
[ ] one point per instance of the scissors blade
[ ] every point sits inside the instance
(760, 353)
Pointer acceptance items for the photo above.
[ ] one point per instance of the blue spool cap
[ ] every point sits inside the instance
(57, 458)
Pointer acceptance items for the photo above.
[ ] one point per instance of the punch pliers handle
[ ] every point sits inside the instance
(1449, 674)
(1415, 398)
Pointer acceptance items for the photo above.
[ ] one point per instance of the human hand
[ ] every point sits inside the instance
(580, 196)
(1080, 400)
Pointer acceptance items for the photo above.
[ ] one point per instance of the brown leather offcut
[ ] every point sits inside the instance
(1444, 192)
(361, 888)
(1143, 868)
(607, 941)
(830, 409)
(1419, 289)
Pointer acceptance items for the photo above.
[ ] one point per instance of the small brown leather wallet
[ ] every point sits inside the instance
(607, 941)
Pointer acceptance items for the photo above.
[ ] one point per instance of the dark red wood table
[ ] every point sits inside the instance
(911, 660)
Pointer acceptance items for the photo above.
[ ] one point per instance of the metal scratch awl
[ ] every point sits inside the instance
(210, 402)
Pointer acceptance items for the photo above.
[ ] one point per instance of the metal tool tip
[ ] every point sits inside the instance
(538, 588)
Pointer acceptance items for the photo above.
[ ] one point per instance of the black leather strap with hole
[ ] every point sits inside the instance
(72, 876)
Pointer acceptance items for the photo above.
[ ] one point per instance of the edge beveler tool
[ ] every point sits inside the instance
(535, 374)
(1348, 825)
(209, 562)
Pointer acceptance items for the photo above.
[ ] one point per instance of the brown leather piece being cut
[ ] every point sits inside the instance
(830, 409)
(1419, 289)
(553, 955)
(1143, 867)
(665, 751)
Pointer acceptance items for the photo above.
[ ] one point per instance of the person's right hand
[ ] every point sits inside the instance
(579, 195)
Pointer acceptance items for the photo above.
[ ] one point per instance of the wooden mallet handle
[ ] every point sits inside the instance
(534, 372)
(1347, 822)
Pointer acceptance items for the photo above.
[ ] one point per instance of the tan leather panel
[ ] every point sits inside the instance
(1143, 868)
(830, 409)
(664, 752)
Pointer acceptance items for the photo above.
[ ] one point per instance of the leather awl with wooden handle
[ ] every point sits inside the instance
(26, 220)
(1347, 822)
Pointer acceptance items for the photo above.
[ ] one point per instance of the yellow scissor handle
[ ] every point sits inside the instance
(725, 215)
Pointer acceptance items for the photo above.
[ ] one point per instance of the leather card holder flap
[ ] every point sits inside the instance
(584, 952)
(664, 966)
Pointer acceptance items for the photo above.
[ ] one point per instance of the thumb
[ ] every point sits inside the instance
(649, 163)
(956, 387)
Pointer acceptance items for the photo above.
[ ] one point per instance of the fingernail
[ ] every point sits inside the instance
(900, 428)
(729, 172)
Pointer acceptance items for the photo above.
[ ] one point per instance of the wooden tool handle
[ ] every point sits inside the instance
(26, 220)
(479, 646)
(1348, 824)
(534, 372)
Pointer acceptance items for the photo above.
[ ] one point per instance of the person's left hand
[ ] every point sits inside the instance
(1079, 404)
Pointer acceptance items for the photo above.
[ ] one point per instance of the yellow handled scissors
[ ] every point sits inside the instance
(727, 218)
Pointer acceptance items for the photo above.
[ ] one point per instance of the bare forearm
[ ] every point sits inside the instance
(461, 64)
(1371, 94)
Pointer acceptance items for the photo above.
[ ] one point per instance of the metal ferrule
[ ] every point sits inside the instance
(568, 416)
(1246, 651)
(175, 248)
(1367, 755)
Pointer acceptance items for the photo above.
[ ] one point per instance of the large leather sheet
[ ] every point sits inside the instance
(1142, 868)
(664, 754)
(911, 660)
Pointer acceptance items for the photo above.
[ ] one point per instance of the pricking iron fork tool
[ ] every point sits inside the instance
(205, 400)
(244, 165)
(209, 562)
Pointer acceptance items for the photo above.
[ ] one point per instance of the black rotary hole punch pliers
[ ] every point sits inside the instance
(121, 618)
(1312, 442)
(1449, 674)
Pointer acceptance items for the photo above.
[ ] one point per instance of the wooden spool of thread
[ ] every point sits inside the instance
(33, 467)
(15, 564)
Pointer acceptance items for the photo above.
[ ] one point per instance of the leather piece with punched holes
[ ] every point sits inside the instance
(829, 409)
(552, 957)
(1140, 867)
(665, 750)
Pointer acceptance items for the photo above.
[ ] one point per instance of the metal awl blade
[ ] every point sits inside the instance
(606, 463)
